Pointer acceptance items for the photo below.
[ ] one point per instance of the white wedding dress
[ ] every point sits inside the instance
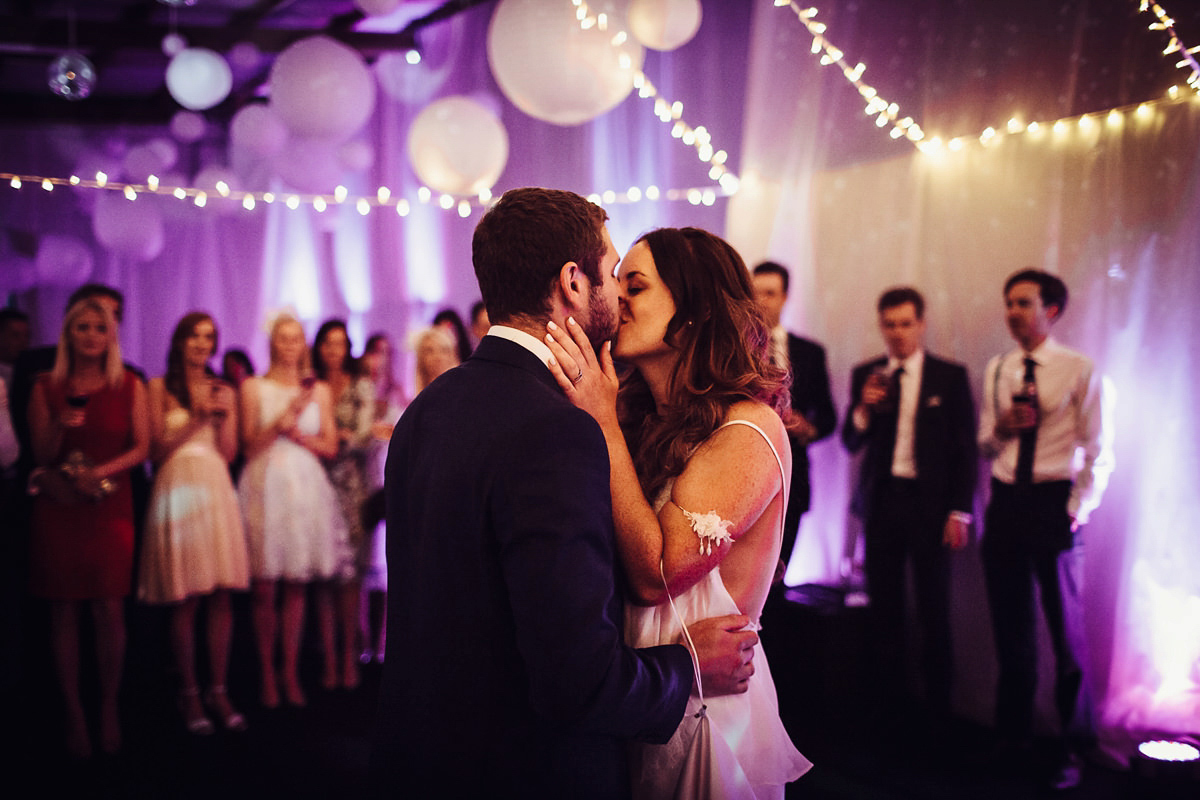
(749, 723)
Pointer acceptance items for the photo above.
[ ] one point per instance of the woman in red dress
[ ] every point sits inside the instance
(90, 425)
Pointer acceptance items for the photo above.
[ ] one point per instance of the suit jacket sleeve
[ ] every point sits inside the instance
(811, 395)
(553, 517)
(852, 438)
(964, 455)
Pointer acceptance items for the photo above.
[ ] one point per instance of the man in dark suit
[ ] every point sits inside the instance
(813, 416)
(503, 586)
(914, 415)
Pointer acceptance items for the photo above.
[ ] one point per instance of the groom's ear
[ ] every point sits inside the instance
(572, 285)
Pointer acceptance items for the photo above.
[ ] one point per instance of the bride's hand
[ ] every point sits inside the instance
(588, 383)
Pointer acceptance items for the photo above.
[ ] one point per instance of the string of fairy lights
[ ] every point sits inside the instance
(888, 114)
(726, 182)
(671, 113)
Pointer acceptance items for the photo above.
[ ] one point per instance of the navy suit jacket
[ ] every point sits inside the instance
(945, 448)
(507, 675)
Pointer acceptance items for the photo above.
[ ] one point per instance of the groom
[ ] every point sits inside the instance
(501, 552)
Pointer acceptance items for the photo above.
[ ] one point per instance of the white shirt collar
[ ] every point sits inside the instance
(911, 365)
(526, 340)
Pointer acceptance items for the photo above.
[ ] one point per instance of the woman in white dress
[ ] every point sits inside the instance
(696, 428)
(294, 527)
(195, 547)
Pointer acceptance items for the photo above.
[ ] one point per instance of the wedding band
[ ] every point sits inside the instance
(578, 377)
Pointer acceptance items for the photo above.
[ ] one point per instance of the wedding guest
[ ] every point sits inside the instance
(449, 320)
(236, 366)
(353, 409)
(195, 546)
(389, 404)
(294, 530)
(89, 426)
(436, 353)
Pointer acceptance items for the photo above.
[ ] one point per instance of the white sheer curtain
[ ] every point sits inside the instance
(1114, 208)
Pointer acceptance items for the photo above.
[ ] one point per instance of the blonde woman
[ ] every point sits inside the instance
(89, 426)
(294, 529)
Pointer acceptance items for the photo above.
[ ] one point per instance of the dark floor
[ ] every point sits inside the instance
(322, 751)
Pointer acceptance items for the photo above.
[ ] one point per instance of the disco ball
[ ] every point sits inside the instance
(71, 76)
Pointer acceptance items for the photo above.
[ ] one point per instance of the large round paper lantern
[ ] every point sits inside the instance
(553, 69)
(356, 156)
(440, 48)
(458, 146)
(309, 165)
(62, 261)
(321, 89)
(152, 158)
(664, 24)
(133, 229)
(258, 130)
(198, 78)
(188, 126)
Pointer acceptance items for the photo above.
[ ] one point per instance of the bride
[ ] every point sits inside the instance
(700, 467)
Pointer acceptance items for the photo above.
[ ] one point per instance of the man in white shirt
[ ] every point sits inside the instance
(1046, 425)
(913, 413)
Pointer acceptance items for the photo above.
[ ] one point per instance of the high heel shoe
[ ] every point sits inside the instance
(218, 702)
(193, 713)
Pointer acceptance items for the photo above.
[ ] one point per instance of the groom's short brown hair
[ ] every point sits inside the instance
(523, 241)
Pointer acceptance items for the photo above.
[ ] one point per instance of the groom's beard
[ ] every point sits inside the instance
(601, 322)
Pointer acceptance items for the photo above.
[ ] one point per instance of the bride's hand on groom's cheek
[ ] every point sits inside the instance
(588, 382)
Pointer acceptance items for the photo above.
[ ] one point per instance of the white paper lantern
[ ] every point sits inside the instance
(309, 165)
(551, 68)
(244, 56)
(322, 89)
(152, 158)
(131, 229)
(664, 24)
(188, 126)
(458, 146)
(173, 44)
(258, 130)
(356, 156)
(198, 78)
(62, 261)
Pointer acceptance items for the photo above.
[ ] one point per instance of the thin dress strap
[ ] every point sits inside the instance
(778, 461)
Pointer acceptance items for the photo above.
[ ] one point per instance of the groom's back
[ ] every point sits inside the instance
(491, 475)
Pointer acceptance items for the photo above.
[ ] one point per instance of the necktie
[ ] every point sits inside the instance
(1027, 442)
(893, 414)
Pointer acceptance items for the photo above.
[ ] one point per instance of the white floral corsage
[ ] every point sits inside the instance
(710, 528)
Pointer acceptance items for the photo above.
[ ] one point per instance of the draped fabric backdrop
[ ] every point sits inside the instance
(1114, 208)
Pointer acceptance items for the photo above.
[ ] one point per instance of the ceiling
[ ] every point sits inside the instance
(123, 39)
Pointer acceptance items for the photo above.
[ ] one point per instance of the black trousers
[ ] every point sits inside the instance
(905, 527)
(1028, 540)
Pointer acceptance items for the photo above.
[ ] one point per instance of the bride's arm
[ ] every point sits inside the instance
(730, 476)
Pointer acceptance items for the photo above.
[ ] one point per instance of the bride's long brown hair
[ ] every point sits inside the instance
(724, 354)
